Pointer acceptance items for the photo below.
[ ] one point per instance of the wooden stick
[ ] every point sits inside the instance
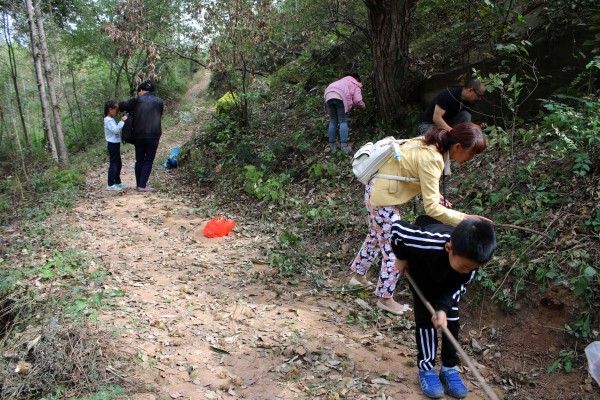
(488, 390)
(522, 229)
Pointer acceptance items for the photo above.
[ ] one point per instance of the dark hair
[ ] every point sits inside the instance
(108, 105)
(474, 239)
(473, 84)
(355, 76)
(148, 86)
(468, 134)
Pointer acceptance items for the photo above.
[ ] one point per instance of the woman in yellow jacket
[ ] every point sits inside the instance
(423, 161)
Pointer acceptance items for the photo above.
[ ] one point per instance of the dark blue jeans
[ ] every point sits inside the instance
(145, 151)
(337, 116)
(114, 163)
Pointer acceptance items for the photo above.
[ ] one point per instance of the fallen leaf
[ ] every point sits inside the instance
(218, 350)
(23, 368)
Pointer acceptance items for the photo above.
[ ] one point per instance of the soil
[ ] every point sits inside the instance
(210, 319)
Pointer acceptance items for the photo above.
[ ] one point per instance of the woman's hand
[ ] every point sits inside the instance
(401, 265)
(479, 217)
(124, 117)
(445, 202)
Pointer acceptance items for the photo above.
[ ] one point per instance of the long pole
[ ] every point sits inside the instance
(488, 390)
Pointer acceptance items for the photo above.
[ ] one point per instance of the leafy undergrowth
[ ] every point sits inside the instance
(280, 171)
(51, 343)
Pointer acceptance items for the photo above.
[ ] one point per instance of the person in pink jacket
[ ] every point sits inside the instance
(340, 96)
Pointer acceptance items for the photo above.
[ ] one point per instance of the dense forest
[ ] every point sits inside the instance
(262, 150)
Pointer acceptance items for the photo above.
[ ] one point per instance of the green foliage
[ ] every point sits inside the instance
(319, 169)
(593, 223)
(10, 189)
(266, 188)
(287, 266)
(289, 238)
(290, 74)
(321, 213)
(109, 393)
(581, 328)
(573, 124)
(563, 362)
(226, 103)
(568, 132)
(46, 190)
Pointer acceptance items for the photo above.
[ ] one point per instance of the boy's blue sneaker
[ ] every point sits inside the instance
(430, 384)
(451, 378)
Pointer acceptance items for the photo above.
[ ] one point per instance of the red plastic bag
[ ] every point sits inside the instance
(218, 226)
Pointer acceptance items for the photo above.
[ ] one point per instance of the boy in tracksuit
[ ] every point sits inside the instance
(442, 261)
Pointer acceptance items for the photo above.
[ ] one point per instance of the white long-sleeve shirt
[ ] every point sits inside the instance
(112, 130)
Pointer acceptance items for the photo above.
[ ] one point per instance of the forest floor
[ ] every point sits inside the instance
(210, 319)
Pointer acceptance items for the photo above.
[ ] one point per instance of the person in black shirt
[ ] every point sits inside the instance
(452, 106)
(442, 261)
(147, 110)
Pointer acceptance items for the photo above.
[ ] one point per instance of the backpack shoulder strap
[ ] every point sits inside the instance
(396, 178)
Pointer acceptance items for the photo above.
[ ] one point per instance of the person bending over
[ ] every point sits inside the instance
(421, 167)
(442, 261)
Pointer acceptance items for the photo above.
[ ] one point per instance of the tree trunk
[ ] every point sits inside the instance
(77, 102)
(3, 126)
(13, 73)
(389, 22)
(40, 81)
(21, 155)
(119, 73)
(62, 148)
(65, 91)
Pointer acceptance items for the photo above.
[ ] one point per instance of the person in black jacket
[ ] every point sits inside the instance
(147, 110)
(442, 261)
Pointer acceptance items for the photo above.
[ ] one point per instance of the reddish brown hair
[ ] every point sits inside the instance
(468, 134)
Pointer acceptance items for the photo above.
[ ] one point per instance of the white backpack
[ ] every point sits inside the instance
(371, 156)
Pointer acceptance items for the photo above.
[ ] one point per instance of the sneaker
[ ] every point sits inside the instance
(451, 379)
(430, 384)
(332, 147)
(346, 148)
(114, 187)
(146, 189)
(122, 186)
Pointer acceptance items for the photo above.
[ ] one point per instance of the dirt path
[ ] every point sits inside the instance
(206, 319)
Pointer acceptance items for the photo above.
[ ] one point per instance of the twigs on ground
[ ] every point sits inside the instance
(521, 228)
(77, 357)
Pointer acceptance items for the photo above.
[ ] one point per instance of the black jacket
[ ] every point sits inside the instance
(147, 111)
(428, 262)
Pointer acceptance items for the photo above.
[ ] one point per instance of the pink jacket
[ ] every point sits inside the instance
(350, 91)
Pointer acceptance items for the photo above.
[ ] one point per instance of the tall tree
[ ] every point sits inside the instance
(13, 74)
(62, 148)
(241, 32)
(40, 80)
(389, 22)
(139, 40)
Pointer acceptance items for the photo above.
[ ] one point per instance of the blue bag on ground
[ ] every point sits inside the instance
(172, 160)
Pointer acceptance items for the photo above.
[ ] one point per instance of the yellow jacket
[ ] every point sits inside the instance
(420, 161)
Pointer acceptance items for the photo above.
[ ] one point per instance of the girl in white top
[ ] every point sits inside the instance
(112, 132)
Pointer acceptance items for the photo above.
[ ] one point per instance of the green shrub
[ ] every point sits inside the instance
(227, 103)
